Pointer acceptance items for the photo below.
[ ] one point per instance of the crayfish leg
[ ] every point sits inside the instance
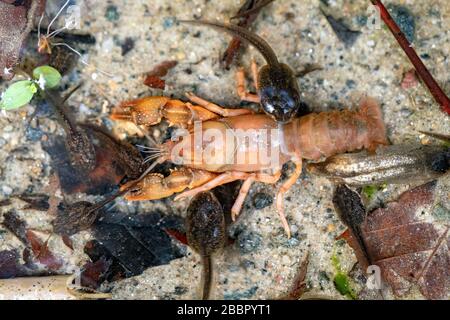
(211, 107)
(283, 189)
(241, 87)
(245, 188)
(156, 186)
(223, 178)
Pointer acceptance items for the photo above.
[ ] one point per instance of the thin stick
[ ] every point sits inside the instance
(439, 95)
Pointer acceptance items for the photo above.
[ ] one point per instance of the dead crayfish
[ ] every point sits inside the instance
(235, 145)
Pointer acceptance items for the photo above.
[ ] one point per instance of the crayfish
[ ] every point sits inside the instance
(222, 145)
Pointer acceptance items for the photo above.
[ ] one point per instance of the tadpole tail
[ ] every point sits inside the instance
(207, 277)
(243, 34)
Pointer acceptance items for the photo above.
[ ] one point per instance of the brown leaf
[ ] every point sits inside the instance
(408, 249)
(16, 21)
(155, 82)
(153, 77)
(15, 225)
(162, 68)
(10, 266)
(42, 253)
(93, 273)
(67, 241)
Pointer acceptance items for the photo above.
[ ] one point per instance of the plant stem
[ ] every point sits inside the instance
(440, 97)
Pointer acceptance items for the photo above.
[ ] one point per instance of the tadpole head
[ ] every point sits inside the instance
(279, 92)
(205, 224)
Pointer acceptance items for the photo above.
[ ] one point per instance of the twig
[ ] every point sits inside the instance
(246, 15)
(423, 72)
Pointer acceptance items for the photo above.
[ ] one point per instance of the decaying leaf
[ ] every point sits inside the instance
(71, 219)
(342, 31)
(114, 161)
(153, 77)
(39, 202)
(123, 154)
(155, 82)
(137, 242)
(93, 273)
(10, 266)
(15, 225)
(409, 250)
(16, 21)
(42, 253)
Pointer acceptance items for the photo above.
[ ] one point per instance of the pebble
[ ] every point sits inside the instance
(239, 295)
(286, 260)
(33, 134)
(7, 190)
(112, 14)
(168, 22)
(262, 200)
(404, 19)
(249, 242)
(107, 45)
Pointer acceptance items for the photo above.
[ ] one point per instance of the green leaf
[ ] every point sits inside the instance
(342, 285)
(18, 94)
(51, 76)
(370, 191)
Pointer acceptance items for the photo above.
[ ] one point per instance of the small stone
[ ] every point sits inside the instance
(7, 190)
(262, 200)
(248, 264)
(249, 242)
(168, 22)
(112, 14)
(33, 134)
(127, 45)
(180, 290)
(286, 260)
(405, 20)
(350, 83)
(108, 45)
(409, 80)
(239, 295)
(405, 112)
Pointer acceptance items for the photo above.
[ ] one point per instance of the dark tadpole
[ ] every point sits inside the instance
(205, 231)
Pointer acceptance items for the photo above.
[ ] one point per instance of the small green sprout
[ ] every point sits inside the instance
(341, 280)
(21, 92)
(18, 94)
(51, 77)
(370, 191)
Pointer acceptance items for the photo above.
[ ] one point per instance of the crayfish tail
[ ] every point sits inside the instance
(376, 130)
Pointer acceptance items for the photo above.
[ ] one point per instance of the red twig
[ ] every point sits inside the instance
(423, 72)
